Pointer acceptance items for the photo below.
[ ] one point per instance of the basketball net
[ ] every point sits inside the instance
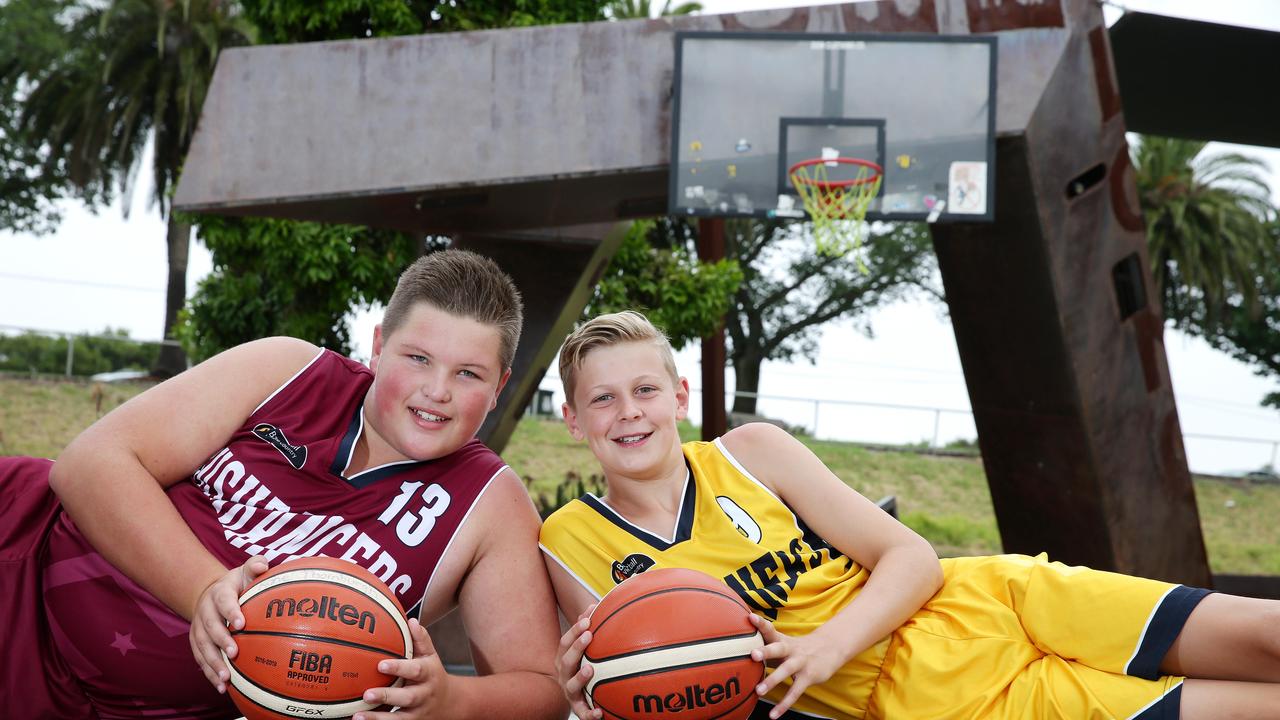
(837, 208)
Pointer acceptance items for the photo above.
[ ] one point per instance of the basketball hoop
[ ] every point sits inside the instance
(837, 208)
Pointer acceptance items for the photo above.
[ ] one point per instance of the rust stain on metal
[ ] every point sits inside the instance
(996, 15)
(796, 20)
(1148, 331)
(1172, 453)
(1108, 96)
(889, 16)
(1123, 205)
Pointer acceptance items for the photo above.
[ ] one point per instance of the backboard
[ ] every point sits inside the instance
(748, 106)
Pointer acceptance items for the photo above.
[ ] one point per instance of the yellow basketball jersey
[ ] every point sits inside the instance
(732, 527)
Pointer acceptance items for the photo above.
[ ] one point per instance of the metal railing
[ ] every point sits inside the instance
(817, 403)
(937, 415)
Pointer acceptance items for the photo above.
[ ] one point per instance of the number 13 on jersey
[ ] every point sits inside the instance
(413, 526)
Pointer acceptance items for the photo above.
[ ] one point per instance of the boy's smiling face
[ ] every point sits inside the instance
(626, 406)
(435, 379)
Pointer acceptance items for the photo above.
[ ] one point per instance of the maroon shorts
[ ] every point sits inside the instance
(85, 642)
(34, 680)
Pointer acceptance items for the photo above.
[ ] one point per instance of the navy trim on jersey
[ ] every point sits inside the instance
(1168, 707)
(369, 477)
(342, 458)
(416, 611)
(684, 526)
(1166, 623)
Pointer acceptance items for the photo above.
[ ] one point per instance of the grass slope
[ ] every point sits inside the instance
(945, 499)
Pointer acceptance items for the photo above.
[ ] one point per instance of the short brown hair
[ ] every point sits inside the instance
(465, 284)
(606, 331)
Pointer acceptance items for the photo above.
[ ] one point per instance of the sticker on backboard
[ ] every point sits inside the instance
(786, 208)
(967, 188)
(936, 212)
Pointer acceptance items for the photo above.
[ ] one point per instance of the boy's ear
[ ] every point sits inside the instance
(501, 384)
(682, 399)
(377, 347)
(571, 421)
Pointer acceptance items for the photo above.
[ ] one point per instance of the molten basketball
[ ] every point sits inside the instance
(315, 630)
(673, 643)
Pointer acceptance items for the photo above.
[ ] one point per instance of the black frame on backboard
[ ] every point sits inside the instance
(673, 158)
(784, 168)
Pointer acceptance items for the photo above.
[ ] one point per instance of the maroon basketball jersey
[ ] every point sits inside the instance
(279, 489)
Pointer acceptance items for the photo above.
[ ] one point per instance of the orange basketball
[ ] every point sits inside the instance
(673, 643)
(315, 630)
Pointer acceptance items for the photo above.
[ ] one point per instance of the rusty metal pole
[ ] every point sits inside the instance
(714, 420)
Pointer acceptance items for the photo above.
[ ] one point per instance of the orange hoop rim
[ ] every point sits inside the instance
(876, 172)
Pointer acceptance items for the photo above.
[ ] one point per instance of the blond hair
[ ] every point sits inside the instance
(605, 331)
(465, 284)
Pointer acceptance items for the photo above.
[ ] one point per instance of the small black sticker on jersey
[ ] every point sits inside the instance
(633, 564)
(295, 454)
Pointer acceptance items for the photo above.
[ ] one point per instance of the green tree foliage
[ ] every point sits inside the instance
(30, 38)
(634, 9)
(287, 21)
(303, 280)
(454, 15)
(284, 21)
(1214, 241)
(132, 72)
(789, 290)
(655, 271)
(1206, 217)
(1250, 332)
(35, 353)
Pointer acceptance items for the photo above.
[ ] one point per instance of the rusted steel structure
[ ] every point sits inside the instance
(522, 141)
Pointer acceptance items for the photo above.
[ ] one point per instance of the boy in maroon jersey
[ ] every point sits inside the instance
(169, 506)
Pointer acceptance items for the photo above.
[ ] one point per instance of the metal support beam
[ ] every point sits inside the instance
(1060, 336)
(715, 422)
(555, 270)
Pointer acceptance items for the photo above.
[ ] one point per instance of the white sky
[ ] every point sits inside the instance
(100, 271)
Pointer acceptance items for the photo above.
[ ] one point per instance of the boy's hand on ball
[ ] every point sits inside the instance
(425, 693)
(217, 612)
(573, 676)
(807, 660)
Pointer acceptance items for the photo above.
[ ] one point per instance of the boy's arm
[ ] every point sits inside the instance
(904, 569)
(571, 596)
(111, 478)
(576, 603)
(510, 614)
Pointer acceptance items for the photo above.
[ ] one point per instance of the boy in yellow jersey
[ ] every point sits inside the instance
(860, 618)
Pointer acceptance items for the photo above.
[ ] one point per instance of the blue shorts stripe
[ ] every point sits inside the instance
(1166, 623)
(1168, 707)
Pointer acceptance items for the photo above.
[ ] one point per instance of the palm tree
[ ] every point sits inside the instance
(1206, 217)
(635, 9)
(135, 71)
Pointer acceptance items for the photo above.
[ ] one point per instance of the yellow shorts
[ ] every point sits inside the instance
(1013, 636)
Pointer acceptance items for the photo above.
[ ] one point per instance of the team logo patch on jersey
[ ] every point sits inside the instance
(295, 454)
(741, 519)
(633, 564)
